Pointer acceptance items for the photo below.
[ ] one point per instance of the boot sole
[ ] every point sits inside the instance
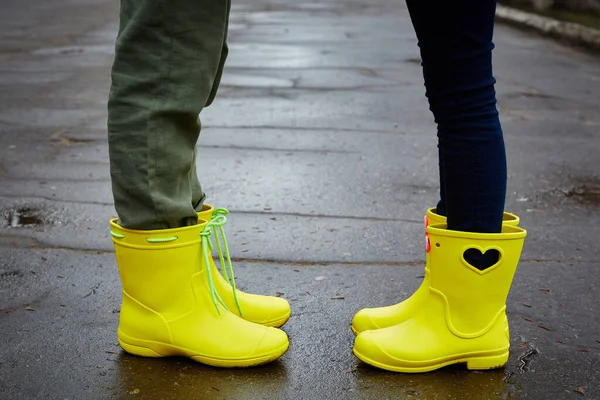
(149, 349)
(473, 362)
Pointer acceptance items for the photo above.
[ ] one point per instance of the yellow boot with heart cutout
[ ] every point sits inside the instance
(171, 308)
(264, 310)
(382, 317)
(463, 317)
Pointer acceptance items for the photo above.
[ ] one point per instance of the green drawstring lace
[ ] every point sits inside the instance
(206, 250)
(217, 221)
(162, 240)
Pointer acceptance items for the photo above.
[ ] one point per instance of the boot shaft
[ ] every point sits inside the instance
(156, 266)
(474, 298)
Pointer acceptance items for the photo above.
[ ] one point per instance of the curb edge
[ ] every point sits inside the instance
(567, 31)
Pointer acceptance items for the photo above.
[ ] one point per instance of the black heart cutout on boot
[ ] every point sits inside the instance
(481, 261)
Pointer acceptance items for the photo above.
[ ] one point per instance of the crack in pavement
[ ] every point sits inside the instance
(302, 128)
(525, 359)
(302, 263)
(257, 148)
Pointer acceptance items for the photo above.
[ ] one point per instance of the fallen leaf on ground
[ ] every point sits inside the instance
(543, 289)
(579, 390)
(215, 388)
(544, 327)
(279, 294)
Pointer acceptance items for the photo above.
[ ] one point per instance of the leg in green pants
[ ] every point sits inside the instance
(168, 63)
(167, 68)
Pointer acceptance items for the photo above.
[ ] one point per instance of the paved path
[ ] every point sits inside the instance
(321, 145)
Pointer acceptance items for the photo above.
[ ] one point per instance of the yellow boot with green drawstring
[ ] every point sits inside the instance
(382, 317)
(264, 310)
(171, 307)
(463, 316)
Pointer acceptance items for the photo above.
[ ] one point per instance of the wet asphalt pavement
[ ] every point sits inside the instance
(322, 146)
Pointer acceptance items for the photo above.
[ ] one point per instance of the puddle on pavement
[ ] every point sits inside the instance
(26, 217)
(583, 190)
(588, 194)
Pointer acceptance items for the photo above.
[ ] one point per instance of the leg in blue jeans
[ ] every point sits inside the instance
(455, 39)
(458, 315)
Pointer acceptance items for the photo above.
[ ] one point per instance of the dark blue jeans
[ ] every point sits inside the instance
(455, 39)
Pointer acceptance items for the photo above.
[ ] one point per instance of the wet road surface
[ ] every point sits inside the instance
(321, 145)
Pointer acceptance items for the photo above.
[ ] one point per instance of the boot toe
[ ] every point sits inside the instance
(363, 321)
(265, 310)
(273, 345)
(368, 348)
(280, 312)
(393, 349)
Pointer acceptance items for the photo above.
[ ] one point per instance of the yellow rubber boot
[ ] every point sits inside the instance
(463, 318)
(171, 308)
(382, 317)
(264, 310)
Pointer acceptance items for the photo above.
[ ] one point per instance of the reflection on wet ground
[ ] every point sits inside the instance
(180, 378)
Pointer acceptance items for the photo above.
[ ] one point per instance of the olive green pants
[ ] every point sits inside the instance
(168, 63)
